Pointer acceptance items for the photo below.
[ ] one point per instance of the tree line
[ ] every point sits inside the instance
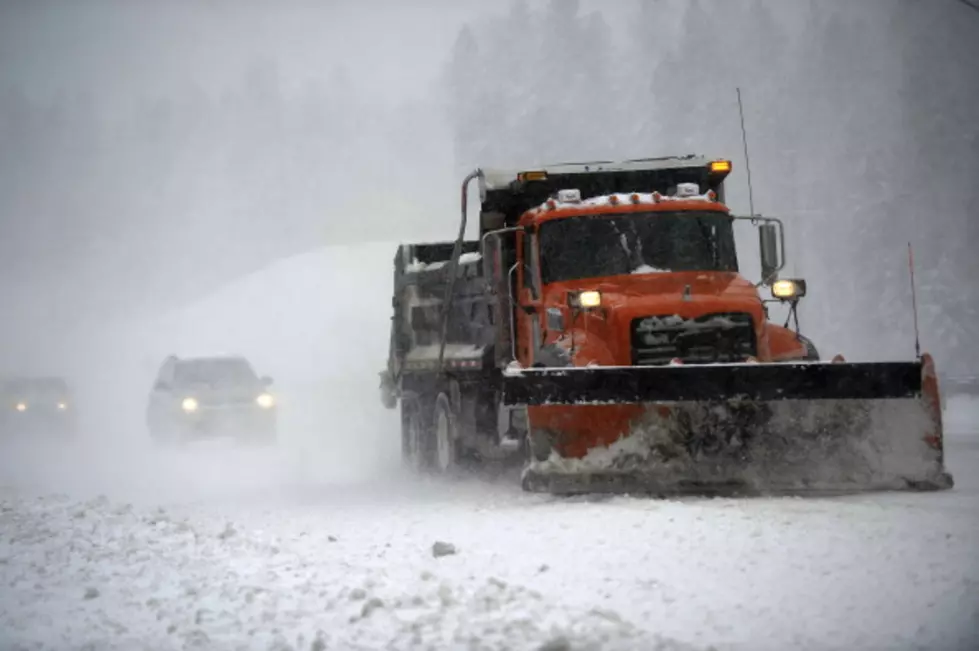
(860, 119)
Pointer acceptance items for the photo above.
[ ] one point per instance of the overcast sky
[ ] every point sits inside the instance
(120, 49)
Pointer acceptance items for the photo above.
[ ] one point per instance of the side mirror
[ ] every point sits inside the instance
(266, 380)
(768, 243)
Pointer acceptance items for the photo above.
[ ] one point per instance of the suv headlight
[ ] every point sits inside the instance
(265, 401)
(189, 405)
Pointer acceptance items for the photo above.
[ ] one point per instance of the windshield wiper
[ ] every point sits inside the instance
(709, 233)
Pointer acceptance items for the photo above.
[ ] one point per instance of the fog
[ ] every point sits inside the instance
(234, 177)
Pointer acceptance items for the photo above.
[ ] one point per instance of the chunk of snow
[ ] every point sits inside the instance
(623, 198)
(440, 549)
(470, 258)
(647, 269)
(415, 266)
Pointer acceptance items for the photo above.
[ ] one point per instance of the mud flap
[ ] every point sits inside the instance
(751, 429)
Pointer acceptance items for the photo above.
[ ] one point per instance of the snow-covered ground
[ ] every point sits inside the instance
(323, 543)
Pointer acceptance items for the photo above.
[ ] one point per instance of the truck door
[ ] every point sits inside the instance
(529, 332)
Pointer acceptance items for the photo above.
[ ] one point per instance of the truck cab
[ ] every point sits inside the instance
(644, 278)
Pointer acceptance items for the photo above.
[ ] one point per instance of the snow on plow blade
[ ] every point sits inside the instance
(739, 429)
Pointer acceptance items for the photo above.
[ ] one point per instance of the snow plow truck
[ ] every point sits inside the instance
(600, 333)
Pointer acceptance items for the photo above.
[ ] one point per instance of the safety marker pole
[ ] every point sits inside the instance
(914, 304)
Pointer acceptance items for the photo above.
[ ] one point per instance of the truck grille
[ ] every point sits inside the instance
(712, 338)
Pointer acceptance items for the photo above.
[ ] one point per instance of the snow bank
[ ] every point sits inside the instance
(119, 577)
(355, 568)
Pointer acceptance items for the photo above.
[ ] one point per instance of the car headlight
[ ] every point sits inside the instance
(62, 406)
(189, 405)
(265, 401)
(21, 406)
(789, 289)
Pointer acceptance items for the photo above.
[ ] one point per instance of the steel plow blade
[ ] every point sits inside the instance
(636, 384)
(765, 429)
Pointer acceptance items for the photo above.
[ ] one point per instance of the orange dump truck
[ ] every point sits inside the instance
(599, 331)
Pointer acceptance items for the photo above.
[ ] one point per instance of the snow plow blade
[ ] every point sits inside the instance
(739, 429)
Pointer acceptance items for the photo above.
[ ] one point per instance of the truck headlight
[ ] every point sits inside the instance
(189, 405)
(265, 401)
(21, 406)
(590, 299)
(586, 300)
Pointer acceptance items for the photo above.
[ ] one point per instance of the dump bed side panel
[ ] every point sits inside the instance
(420, 282)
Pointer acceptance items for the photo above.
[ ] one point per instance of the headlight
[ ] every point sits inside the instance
(788, 289)
(589, 299)
(189, 405)
(265, 401)
(21, 406)
(62, 406)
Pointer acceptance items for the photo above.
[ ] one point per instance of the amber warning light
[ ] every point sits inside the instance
(720, 166)
(539, 175)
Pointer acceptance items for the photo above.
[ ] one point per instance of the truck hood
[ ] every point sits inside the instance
(606, 333)
(687, 294)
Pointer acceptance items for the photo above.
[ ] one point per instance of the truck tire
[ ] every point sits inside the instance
(444, 423)
(414, 435)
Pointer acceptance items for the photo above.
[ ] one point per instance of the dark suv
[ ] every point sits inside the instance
(36, 406)
(205, 397)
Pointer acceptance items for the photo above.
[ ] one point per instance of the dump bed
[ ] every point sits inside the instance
(421, 281)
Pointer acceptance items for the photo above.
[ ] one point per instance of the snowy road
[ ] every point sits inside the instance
(323, 544)
(225, 548)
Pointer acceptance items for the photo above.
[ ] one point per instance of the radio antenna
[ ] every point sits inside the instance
(747, 159)
(914, 304)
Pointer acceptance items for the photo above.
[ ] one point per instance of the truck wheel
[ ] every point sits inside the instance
(413, 435)
(445, 435)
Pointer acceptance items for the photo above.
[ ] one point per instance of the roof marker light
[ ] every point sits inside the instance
(613, 199)
(717, 166)
(569, 196)
(687, 189)
(635, 198)
(539, 175)
(711, 195)
(657, 197)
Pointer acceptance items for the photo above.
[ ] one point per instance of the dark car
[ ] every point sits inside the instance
(36, 406)
(205, 397)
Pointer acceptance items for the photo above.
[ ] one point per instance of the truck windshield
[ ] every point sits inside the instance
(593, 246)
